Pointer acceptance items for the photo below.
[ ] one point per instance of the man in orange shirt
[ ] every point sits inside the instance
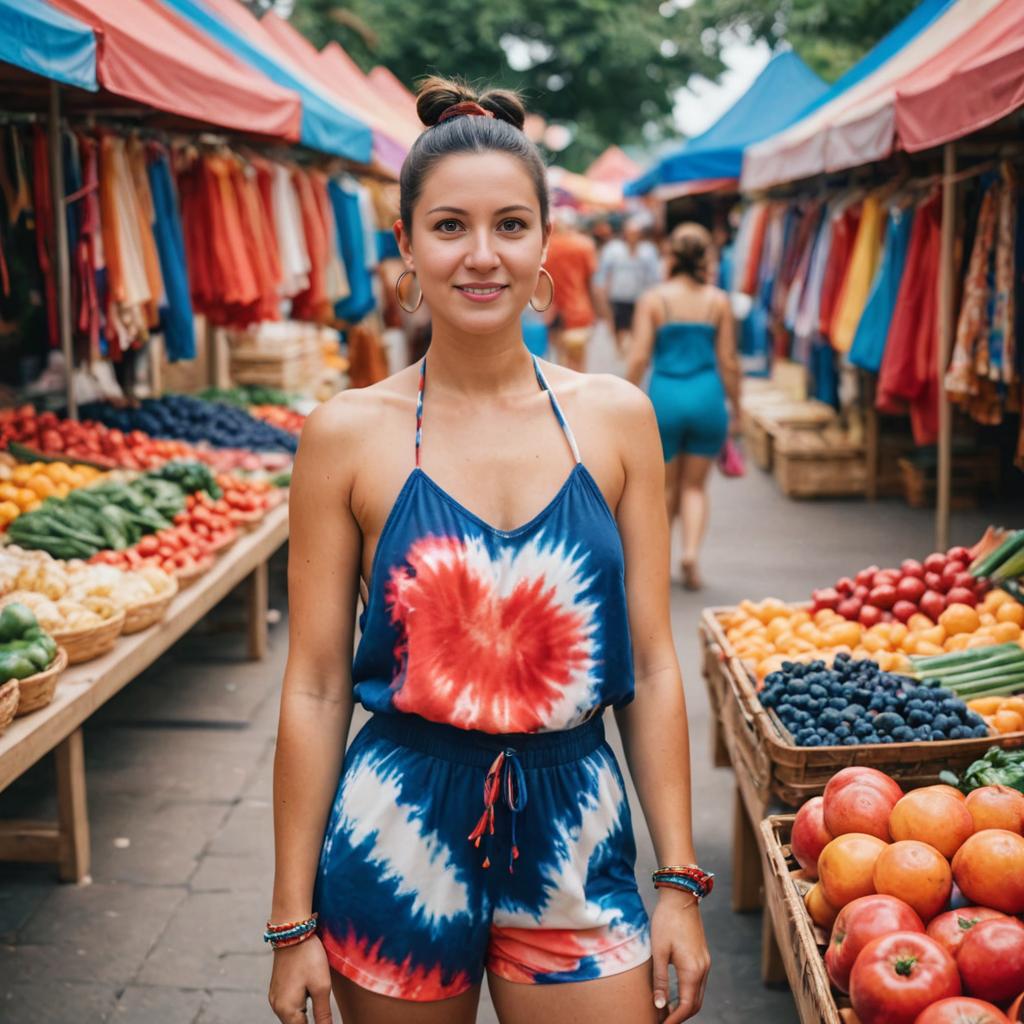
(572, 263)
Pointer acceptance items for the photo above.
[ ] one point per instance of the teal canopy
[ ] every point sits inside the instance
(47, 42)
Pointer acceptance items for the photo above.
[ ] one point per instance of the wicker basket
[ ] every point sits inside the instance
(86, 644)
(9, 693)
(37, 691)
(249, 520)
(186, 577)
(778, 769)
(144, 614)
(222, 545)
(798, 937)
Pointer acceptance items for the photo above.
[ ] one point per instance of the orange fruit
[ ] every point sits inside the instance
(980, 640)
(1008, 721)
(847, 633)
(919, 621)
(959, 618)
(1010, 611)
(958, 642)
(1005, 632)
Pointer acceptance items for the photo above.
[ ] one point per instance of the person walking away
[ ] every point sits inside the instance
(501, 519)
(685, 327)
(628, 266)
(571, 262)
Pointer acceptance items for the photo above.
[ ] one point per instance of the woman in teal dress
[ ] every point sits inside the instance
(683, 328)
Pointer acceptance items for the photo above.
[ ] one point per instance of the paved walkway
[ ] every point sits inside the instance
(179, 773)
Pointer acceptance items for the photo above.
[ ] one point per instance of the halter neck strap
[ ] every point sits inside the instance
(541, 380)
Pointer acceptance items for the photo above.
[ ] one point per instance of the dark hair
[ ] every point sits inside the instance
(689, 244)
(468, 133)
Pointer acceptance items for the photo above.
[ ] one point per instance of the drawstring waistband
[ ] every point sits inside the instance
(504, 778)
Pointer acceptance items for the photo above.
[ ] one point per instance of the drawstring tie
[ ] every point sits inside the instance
(505, 778)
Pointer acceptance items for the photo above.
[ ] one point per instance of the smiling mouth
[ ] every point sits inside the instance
(482, 290)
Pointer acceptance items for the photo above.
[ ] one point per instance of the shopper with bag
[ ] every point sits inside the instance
(685, 327)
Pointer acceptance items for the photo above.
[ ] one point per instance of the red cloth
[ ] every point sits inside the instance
(752, 268)
(42, 200)
(908, 378)
(86, 255)
(312, 304)
(844, 234)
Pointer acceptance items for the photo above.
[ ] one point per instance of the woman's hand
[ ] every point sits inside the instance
(301, 972)
(677, 937)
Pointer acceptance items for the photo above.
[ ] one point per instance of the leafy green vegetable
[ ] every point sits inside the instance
(998, 767)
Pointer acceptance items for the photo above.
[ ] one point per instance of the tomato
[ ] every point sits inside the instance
(858, 807)
(899, 975)
(961, 1010)
(933, 817)
(991, 960)
(857, 924)
(950, 929)
(989, 869)
(846, 867)
(148, 546)
(997, 807)
(810, 836)
(917, 873)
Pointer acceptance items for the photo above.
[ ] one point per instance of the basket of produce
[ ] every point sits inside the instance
(9, 693)
(188, 575)
(890, 905)
(30, 655)
(148, 611)
(85, 629)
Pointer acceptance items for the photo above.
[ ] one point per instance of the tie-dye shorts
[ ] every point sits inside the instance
(407, 906)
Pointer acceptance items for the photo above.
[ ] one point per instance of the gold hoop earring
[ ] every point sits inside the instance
(551, 281)
(398, 292)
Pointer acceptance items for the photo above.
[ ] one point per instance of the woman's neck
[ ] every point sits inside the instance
(479, 364)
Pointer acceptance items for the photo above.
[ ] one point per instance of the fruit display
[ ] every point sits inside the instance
(23, 487)
(25, 646)
(883, 595)
(918, 897)
(279, 416)
(247, 395)
(999, 556)
(65, 615)
(855, 702)
(186, 418)
(247, 500)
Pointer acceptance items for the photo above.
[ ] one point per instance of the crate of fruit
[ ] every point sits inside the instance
(889, 905)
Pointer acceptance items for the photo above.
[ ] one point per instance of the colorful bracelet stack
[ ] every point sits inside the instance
(281, 935)
(687, 877)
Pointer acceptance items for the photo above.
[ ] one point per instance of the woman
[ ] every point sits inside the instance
(687, 325)
(493, 635)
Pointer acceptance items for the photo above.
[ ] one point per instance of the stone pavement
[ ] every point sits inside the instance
(179, 781)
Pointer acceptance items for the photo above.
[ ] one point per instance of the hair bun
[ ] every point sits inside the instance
(437, 94)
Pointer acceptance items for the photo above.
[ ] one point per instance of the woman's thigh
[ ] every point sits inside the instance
(695, 469)
(360, 1006)
(611, 1000)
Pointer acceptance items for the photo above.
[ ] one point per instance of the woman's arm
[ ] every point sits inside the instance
(641, 338)
(654, 726)
(728, 356)
(316, 701)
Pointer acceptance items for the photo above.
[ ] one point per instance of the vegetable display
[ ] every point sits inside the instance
(997, 768)
(192, 419)
(246, 395)
(280, 417)
(981, 672)
(917, 898)
(24, 487)
(25, 648)
(1001, 560)
(855, 702)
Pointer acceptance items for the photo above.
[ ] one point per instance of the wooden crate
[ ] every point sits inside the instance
(779, 770)
(769, 423)
(818, 464)
(715, 671)
(291, 363)
(972, 475)
(800, 941)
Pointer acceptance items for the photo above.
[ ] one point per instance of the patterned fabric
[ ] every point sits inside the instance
(411, 908)
(500, 631)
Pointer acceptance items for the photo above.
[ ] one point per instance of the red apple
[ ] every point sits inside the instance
(950, 573)
(961, 595)
(827, 597)
(883, 596)
(960, 554)
(951, 928)
(891, 576)
(933, 581)
(964, 579)
(912, 567)
(935, 562)
(902, 610)
(850, 608)
(866, 577)
(860, 591)
(991, 960)
(932, 605)
(910, 588)
(845, 586)
(870, 615)
(860, 921)
(860, 807)
(810, 836)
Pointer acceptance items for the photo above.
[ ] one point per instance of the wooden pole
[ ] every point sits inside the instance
(943, 483)
(63, 260)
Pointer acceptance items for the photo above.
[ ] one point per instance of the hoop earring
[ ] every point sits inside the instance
(398, 292)
(543, 309)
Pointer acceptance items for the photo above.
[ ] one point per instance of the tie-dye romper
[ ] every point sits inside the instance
(481, 819)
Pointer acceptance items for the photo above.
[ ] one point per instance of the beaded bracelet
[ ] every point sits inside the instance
(687, 877)
(291, 934)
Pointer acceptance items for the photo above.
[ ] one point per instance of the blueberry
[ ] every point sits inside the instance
(774, 678)
(936, 735)
(850, 741)
(952, 706)
(903, 734)
(798, 686)
(839, 703)
(814, 706)
(923, 732)
(917, 717)
(842, 658)
(943, 723)
(980, 730)
(863, 728)
(829, 718)
(842, 731)
(888, 722)
(958, 732)
(818, 691)
(915, 704)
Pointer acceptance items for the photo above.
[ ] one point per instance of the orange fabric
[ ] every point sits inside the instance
(312, 304)
(260, 242)
(136, 156)
(572, 262)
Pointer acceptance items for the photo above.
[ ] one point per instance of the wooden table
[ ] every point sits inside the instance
(83, 688)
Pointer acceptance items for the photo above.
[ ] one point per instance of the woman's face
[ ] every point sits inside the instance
(477, 242)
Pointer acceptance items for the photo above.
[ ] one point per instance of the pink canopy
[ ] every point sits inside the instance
(149, 55)
(389, 87)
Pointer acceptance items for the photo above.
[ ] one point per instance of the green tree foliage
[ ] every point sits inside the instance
(830, 35)
(605, 68)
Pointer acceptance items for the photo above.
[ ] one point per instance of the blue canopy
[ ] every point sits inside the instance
(779, 95)
(47, 42)
(324, 126)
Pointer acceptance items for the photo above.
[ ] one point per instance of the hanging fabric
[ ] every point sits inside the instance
(860, 273)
